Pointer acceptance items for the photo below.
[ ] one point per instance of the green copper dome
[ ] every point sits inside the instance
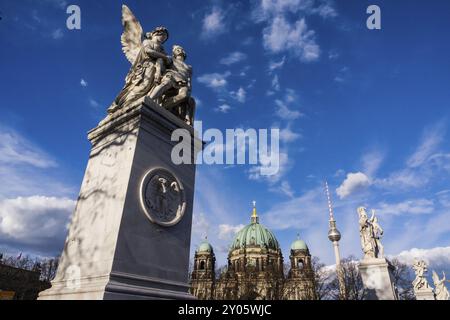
(205, 247)
(299, 245)
(255, 235)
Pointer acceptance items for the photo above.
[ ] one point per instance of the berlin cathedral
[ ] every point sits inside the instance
(255, 269)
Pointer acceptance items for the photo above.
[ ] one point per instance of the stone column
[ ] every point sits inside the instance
(130, 235)
(377, 277)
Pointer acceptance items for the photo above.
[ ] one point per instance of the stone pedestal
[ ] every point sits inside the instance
(377, 277)
(425, 294)
(119, 244)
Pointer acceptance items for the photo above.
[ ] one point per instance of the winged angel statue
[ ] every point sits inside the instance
(153, 74)
(440, 290)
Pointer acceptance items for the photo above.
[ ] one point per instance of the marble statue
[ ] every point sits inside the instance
(153, 74)
(440, 290)
(370, 233)
(420, 282)
(175, 86)
(376, 271)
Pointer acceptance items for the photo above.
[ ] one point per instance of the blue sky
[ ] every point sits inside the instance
(368, 110)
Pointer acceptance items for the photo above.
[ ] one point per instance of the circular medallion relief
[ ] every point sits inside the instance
(162, 197)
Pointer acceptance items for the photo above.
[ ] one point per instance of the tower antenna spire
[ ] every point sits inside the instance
(334, 236)
(330, 205)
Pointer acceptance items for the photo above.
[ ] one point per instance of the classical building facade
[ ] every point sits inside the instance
(20, 284)
(255, 269)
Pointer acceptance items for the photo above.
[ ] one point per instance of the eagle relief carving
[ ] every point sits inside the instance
(163, 198)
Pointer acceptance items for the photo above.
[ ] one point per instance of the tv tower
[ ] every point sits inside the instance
(334, 235)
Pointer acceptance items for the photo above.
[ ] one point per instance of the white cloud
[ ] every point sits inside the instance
(214, 80)
(213, 23)
(35, 16)
(29, 222)
(439, 256)
(83, 83)
(371, 162)
(343, 75)
(298, 212)
(285, 164)
(94, 103)
(441, 160)
(266, 9)
(233, 58)
(423, 165)
(244, 71)
(284, 188)
(285, 113)
(403, 179)
(200, 225)
(16, 150)
(251, 84)
(224, 108)
(59, 3)
(35, 223)
(226, 231)
(269, 8)
(354, 182)
(276, 83)
(287, 135)
(57, 34)
(239, 95)
(408, 207)
(430, 142)
(281, 36)
(290, 96)
(27, 169)
(274, 65)
(325, 10)
(333, 55)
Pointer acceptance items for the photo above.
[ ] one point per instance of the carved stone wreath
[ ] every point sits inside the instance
(162, 197)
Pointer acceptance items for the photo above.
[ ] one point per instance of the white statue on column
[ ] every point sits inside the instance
(370, 232)
(440, 290)
(420, 282)
(376, 271)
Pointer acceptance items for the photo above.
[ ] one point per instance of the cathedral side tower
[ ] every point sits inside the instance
(300, 281)
(203, 274)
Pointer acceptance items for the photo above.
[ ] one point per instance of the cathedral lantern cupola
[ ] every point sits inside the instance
(255, 218)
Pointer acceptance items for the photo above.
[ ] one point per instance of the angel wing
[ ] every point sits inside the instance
(131, 38)
(435, 277)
